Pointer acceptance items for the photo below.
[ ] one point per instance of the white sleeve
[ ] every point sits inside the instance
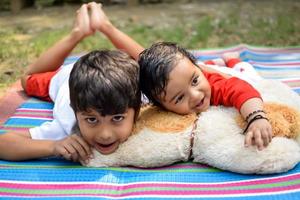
(62, 111)
(63, 114)
(242, 70)
(48, 131)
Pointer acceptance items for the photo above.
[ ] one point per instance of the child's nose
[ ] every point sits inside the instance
(105, 133)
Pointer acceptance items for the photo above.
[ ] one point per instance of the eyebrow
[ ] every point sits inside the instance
(180, 91)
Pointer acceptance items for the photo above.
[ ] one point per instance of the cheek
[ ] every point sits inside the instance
(126, 130)
(86, 133)
(182, 109)
(185, 108)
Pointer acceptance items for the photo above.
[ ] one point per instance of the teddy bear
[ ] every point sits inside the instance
(214, 137)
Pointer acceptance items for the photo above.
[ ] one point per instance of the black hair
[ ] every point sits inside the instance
(107, 81)
(156, 63)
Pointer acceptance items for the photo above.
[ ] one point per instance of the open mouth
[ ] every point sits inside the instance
(106, 148)
(200, 104)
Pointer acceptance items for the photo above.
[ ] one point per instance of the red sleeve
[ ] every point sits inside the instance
(229, 92)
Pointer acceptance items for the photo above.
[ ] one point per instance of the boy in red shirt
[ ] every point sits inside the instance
(170, 78)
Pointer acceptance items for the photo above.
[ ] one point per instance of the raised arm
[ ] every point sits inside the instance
(54, 57)
(100, 22)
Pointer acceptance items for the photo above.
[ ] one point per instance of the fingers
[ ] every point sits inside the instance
(266, 137)
(258, 140)
(254, 138)
(248, 138)
(82, 23)
(82, 148)
(62, 151)
(72, 154)
(73, 148)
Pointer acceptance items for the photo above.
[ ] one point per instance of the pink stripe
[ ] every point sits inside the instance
(169, 192)
(34, 111)
(13, 128)
(291, 81)
(142, 185)
(182, 166)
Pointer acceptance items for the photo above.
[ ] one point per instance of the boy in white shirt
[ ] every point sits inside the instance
(99, 94)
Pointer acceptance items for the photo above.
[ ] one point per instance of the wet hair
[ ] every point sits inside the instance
(106, 81)
(156, 63)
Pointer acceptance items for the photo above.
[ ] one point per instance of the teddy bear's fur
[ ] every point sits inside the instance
(162, 138)
(285, 120)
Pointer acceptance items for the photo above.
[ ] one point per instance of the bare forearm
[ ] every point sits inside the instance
(54, 57)
(16, 147)
(258, 131)
(122, 41)
(250, 106)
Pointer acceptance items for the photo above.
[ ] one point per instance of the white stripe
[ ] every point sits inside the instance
(33, 109)
(150, 182)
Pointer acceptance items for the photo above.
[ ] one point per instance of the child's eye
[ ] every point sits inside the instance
(178, 99)
(118, 118)
(195, 81)
(91, 120)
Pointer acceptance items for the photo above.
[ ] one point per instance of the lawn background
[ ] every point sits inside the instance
(195, 25)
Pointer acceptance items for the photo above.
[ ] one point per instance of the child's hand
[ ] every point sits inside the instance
(82, 26)
(99, 21)
(72, 148)
(259, 134)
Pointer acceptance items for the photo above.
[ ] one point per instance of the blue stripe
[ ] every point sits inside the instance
(269, 57)
(206, 57)
(44, 105)
(270, 68)
(25, 121)
(71, 59)
(111, 176)
(297, 90)
(79, 173)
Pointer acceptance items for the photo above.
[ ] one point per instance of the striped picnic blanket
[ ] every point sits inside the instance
(55, 178)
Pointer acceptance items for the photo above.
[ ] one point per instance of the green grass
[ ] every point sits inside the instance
(280, 27)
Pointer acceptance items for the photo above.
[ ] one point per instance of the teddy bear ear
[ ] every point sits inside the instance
(162, 121)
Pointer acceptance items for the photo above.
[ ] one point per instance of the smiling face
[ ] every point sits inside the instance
(105, 133)
(187, 90)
